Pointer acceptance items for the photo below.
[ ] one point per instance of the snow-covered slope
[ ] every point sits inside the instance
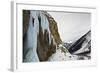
(62, 54)
(81, 44)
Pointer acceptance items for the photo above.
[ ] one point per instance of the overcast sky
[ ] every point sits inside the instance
(72, 26)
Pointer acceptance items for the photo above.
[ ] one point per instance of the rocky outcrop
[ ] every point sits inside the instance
(54, 28)
(42, 32)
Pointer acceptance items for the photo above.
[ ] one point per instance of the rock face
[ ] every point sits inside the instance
(53, 28)
(26, 16)
(40, 36)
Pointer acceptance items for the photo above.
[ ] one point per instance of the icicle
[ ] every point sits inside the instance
(45, 24)
(32, 37)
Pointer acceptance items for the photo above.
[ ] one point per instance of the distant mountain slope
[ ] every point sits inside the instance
(79, 50)
(82, 45)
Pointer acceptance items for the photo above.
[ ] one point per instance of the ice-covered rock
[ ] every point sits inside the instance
(40, 36)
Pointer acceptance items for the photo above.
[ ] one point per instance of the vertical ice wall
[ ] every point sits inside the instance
(32, 34)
